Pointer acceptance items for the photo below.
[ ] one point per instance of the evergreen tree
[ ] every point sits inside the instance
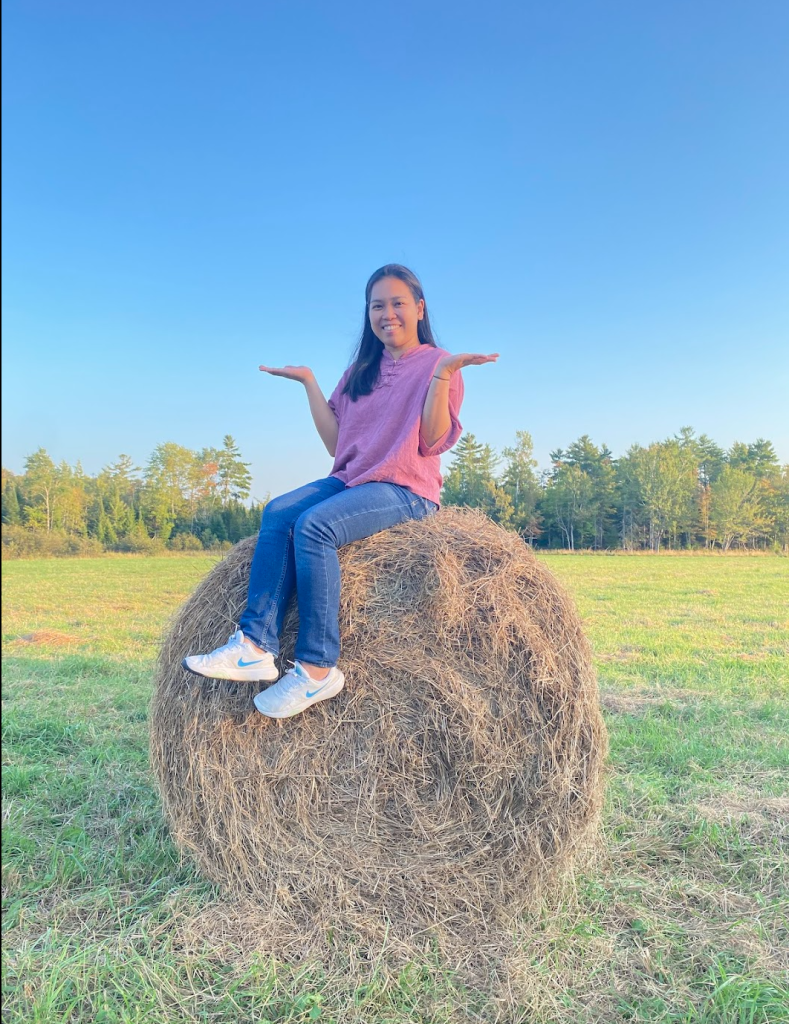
(628, 502)
(597, 464)
(711, 459)
(120, 515)
(758, 459)
(216, 531)
(105, 532)
(764, 461)
(119, 486)
(233, 474)
(709, 456)
(123, 475)
(496, 504)
(138, 536)
(473, 468)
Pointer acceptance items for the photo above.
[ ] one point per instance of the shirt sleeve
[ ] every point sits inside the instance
(337, 398)
(443, 444)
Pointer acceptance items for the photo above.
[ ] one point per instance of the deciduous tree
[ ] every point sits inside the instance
(41, 482)
(736, 515)
(521, 483)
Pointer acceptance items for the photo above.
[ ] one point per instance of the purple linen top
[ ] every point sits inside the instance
(379, 436)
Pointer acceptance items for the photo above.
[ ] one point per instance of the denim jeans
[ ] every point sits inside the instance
(299, 536)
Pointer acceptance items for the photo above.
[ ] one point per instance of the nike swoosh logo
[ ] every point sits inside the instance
(246, 664)
(309, 695)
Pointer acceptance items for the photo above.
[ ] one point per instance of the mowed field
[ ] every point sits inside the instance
(682, 916)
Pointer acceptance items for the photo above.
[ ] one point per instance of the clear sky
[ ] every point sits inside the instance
(596, 189)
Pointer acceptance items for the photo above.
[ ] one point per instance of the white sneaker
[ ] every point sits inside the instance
(237, 660)
(296, 691)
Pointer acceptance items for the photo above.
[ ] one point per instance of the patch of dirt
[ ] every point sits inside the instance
(49, 638)
(639, 702)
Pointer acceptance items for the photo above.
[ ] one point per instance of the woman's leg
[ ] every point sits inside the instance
(273, 573)
(249, 654)
(354, 513)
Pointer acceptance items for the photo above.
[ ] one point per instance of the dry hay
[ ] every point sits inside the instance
(459, 769)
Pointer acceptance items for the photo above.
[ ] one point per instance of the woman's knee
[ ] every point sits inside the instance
(280, 511)
(312, 525)
(276, 519)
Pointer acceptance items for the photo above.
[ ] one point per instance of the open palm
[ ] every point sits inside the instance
(299, 373)
(450, 364)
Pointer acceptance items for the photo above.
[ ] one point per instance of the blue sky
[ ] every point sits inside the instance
(596, 190)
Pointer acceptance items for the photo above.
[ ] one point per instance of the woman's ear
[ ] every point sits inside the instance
(420, 309)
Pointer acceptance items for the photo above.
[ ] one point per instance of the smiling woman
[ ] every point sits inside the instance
(395, 315)
(392, 415)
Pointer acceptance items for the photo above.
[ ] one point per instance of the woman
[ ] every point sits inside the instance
(393, 413)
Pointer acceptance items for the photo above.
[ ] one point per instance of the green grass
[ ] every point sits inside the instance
(682, 918)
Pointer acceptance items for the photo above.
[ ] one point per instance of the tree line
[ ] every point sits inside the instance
(684, 492)
(181, 500)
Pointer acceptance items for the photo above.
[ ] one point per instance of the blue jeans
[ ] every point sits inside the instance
(299, 537)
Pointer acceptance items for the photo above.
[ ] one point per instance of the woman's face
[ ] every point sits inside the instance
(395, 315)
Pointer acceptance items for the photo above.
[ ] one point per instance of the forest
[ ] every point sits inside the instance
(683, 493)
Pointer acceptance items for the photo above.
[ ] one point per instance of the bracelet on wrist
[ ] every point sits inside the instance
(436, 377)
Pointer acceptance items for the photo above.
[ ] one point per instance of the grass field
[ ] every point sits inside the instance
(683, 916)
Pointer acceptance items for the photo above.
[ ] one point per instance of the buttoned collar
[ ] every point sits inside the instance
(386, 357)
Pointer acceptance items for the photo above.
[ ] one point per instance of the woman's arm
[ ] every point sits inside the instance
(322, 415)
(436, 420)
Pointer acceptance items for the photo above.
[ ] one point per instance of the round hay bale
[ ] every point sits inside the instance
(460, 767)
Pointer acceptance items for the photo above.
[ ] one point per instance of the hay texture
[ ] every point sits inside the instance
(457, 771)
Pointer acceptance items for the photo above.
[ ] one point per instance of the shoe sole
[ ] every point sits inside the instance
(232, 679)
(330, 692)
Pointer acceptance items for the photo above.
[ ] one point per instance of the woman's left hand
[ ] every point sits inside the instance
(449, 364)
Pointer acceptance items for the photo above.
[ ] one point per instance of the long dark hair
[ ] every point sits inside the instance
(367, 361)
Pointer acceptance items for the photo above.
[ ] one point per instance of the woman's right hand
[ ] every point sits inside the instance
(303, 374)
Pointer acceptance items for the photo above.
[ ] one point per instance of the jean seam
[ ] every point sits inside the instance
(275, 595)
(326, 606)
